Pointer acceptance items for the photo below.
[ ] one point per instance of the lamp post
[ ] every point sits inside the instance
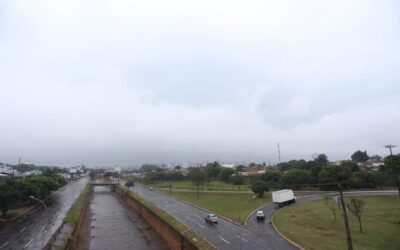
(240, 220)
(47, 214)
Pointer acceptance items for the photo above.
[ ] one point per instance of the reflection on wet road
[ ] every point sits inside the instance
(114, 226)
(35, 228)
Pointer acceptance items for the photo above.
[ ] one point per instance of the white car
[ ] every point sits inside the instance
(260, 215)
(212, 218)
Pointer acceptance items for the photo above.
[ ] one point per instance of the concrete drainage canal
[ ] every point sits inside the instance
(115, 226)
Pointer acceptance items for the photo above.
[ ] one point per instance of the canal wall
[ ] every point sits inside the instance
(73, 232)
(175, 234)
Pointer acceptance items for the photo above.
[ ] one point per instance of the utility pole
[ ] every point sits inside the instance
(346, 221)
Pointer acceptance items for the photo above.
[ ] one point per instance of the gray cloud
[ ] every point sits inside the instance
(122, 82)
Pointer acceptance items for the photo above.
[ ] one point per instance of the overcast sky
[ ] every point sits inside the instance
(128, 82)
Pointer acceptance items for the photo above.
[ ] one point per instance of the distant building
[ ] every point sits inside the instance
(228, 165)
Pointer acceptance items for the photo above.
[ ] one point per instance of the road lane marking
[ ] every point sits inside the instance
(22, 230)
(227, 242)
(201, 226)
(27, 244)
(4, 245)
(198, 216)
(241, 238)
(41, 230)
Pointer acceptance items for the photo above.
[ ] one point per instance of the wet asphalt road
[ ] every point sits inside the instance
(113, 226)
(224, 235)
(30, 231)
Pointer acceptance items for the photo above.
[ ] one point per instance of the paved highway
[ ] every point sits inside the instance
(224, 235)
(30, 231)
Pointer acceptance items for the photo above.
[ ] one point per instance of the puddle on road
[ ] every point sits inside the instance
(113, 226)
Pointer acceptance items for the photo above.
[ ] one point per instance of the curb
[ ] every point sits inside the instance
(252, 212)
(283, 236)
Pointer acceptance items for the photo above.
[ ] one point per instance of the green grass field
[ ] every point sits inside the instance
(211, 186)
(312, 226)
(226, 204)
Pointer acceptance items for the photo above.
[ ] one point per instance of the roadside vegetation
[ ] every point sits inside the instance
(319, 224)
(227, 204)
(15, 194)
(196, 239)
(75, 211)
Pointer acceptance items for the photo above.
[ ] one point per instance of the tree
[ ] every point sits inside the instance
(296, 178)
(356, 207)
(271, 176)
(359, 156)
(197, 176)
(351, 165)
(213, 170)
(331, 175)
(226, 173)
(259, 187)
(236, 179)
(177, 168)
(8, 196)
(392, 166)
(363, 179)
(240, 168)
(322, 159)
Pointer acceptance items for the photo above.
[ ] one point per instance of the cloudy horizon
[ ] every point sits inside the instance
(131, 82)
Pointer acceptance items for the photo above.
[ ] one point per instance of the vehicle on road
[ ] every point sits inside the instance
(211, 218)
(283, 197)
(260, 215)
(151, 188)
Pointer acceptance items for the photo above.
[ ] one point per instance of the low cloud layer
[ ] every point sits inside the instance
(128, 82)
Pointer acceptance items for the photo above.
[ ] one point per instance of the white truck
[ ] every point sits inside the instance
(283, 197)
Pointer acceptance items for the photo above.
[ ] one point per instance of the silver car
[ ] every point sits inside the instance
(211, 218)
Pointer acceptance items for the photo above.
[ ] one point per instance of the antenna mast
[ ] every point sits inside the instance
(279, 153)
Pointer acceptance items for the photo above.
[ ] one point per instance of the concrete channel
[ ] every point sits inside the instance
(115, 226)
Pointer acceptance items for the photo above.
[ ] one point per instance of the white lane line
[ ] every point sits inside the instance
(27, 244)
(227, 242)
(198, 216)
(201, 226)
(22, 230)
(4, 245)
(241, 238)
(41, 230)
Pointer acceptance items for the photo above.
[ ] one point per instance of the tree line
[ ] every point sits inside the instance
(16, 193)
(295, 174)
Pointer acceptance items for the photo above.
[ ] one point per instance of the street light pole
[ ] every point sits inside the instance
(47, 214)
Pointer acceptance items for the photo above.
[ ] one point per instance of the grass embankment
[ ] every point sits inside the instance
(75, 211)
(194, 238)
(211, 186)
(226, 204)
(312, 226)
